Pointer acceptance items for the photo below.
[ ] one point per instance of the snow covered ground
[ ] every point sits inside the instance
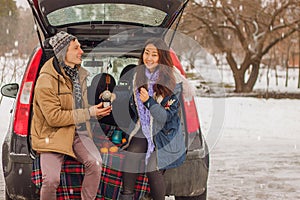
(254, 146)
(257, 154)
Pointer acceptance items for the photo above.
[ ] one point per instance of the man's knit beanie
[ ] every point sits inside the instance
(60, 43)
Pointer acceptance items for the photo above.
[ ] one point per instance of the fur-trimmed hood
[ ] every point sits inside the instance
(188, 90)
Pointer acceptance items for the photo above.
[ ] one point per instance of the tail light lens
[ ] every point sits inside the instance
(24, 100)
(176, 62)
(191, 116)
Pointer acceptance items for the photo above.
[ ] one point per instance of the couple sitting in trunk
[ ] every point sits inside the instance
(60, 124)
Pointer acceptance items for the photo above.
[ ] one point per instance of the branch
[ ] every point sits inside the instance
(213, 31)
(238, 31)
(282, 26)
(280, 10)
(275, 41)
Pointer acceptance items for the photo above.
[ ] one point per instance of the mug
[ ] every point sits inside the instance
(116, 138)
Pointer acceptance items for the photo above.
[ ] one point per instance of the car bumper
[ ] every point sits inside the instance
(17, 170)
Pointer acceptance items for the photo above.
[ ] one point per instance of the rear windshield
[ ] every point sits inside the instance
(107, 13)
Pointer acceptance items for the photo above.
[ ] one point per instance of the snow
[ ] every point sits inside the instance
(254, 146)
(257, 155)
(5, 108)
(254, 143)
(268, 80)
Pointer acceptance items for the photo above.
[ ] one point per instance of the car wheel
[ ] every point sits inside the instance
(203, 196)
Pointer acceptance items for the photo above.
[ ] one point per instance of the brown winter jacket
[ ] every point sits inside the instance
(54, 116)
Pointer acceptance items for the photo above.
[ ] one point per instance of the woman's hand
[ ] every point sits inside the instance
(144, 96)
(99, 111)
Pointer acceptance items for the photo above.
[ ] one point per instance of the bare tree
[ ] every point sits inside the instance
(8, 31)
(17, 41)
(27, 38)
(244, 31)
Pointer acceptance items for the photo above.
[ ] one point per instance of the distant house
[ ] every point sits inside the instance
(294, 60)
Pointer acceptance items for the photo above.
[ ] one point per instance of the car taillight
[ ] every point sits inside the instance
(176, 62)
(22, 114)
(191, 116)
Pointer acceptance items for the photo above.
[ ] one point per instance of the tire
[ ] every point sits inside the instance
(203, 196)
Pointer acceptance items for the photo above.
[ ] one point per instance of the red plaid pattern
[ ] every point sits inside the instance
(72, 175)
(111, 179)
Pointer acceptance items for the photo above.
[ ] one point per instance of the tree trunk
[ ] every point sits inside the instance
(250, 62)
(242, 85)
(252, 78)
(239, 77)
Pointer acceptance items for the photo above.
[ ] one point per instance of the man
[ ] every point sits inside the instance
(60, 124)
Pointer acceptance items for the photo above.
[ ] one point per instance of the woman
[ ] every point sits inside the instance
(156, 136)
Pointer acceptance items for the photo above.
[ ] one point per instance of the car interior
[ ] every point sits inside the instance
(106, 72)
(100, 83)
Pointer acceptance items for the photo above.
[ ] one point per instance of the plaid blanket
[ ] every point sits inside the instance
(72, 174)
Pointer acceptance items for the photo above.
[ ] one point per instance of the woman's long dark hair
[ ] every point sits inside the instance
(166, 82)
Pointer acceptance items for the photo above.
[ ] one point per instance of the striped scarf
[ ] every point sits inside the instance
(74, 75)
(144, 113)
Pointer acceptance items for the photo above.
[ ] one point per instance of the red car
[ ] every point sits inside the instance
(112, 34)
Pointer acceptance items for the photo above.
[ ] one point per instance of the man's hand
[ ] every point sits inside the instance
(144, 96)
(99, 111)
